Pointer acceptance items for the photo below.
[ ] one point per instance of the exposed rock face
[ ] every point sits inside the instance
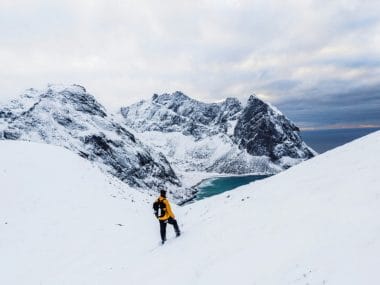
(68, 116)
(170, 130)
(263, 130)
(218, 137)
(179, 113)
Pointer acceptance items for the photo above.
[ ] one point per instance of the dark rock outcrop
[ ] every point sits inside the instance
(251, 138)
(262, 130)
(68, 116)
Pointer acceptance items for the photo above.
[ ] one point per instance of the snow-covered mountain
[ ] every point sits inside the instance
(224, 137)
(68, 116)
(62, 221)
(173, 135)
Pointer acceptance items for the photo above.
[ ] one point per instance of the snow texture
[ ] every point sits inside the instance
(222, 137)
(62, 221)
(161, 142)
(68, 116)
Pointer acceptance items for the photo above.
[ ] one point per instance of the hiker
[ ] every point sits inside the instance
(164, 214)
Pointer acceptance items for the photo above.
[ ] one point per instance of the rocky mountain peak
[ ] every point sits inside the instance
(178, 112)
(263, 130)
(231, 101)
(253, 137)
(69, 116)
(165, 98)
(60, 97)
(78, 97)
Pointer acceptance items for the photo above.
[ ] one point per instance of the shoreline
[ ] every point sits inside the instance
(224, 175)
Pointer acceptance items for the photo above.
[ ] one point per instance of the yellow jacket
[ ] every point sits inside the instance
(168, 209)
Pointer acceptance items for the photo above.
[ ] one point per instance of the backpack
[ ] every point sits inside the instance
(159, 208)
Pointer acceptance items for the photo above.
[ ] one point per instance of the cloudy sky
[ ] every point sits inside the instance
(318, 61)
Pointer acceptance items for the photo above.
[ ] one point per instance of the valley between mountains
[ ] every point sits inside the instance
(162, 142)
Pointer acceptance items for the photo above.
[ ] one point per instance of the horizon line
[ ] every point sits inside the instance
(339, 127)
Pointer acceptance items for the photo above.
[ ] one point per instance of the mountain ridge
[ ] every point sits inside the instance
(69, 116)
(160, 142)
(255, 138)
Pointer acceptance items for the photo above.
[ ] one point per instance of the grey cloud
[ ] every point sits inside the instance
(360, 106)
(123, 51)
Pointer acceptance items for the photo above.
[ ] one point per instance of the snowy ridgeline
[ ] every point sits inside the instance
(224, 137)
(62, 221)
(69, 116)
(163, 141)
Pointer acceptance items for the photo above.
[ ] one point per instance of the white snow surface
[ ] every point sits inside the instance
(198, 137)
(211, 154)
(68, 116)
(315, 223)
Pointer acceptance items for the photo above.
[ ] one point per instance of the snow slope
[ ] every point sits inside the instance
(59, 217)
(315, 223)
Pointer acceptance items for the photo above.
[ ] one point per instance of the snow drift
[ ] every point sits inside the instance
(316, 223)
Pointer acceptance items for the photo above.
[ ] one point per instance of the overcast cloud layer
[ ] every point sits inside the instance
(318, 61)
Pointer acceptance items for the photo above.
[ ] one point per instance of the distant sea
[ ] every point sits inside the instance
(319, 140)
(324, 140)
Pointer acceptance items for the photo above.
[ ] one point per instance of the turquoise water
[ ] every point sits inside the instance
(217, 185)
(320, 140)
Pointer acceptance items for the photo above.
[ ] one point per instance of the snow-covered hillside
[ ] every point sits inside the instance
(62, 221)
(316, 223)
(164, 142)
(69, 116)
(224, 137)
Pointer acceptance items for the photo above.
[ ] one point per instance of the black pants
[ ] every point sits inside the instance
(163, 227)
